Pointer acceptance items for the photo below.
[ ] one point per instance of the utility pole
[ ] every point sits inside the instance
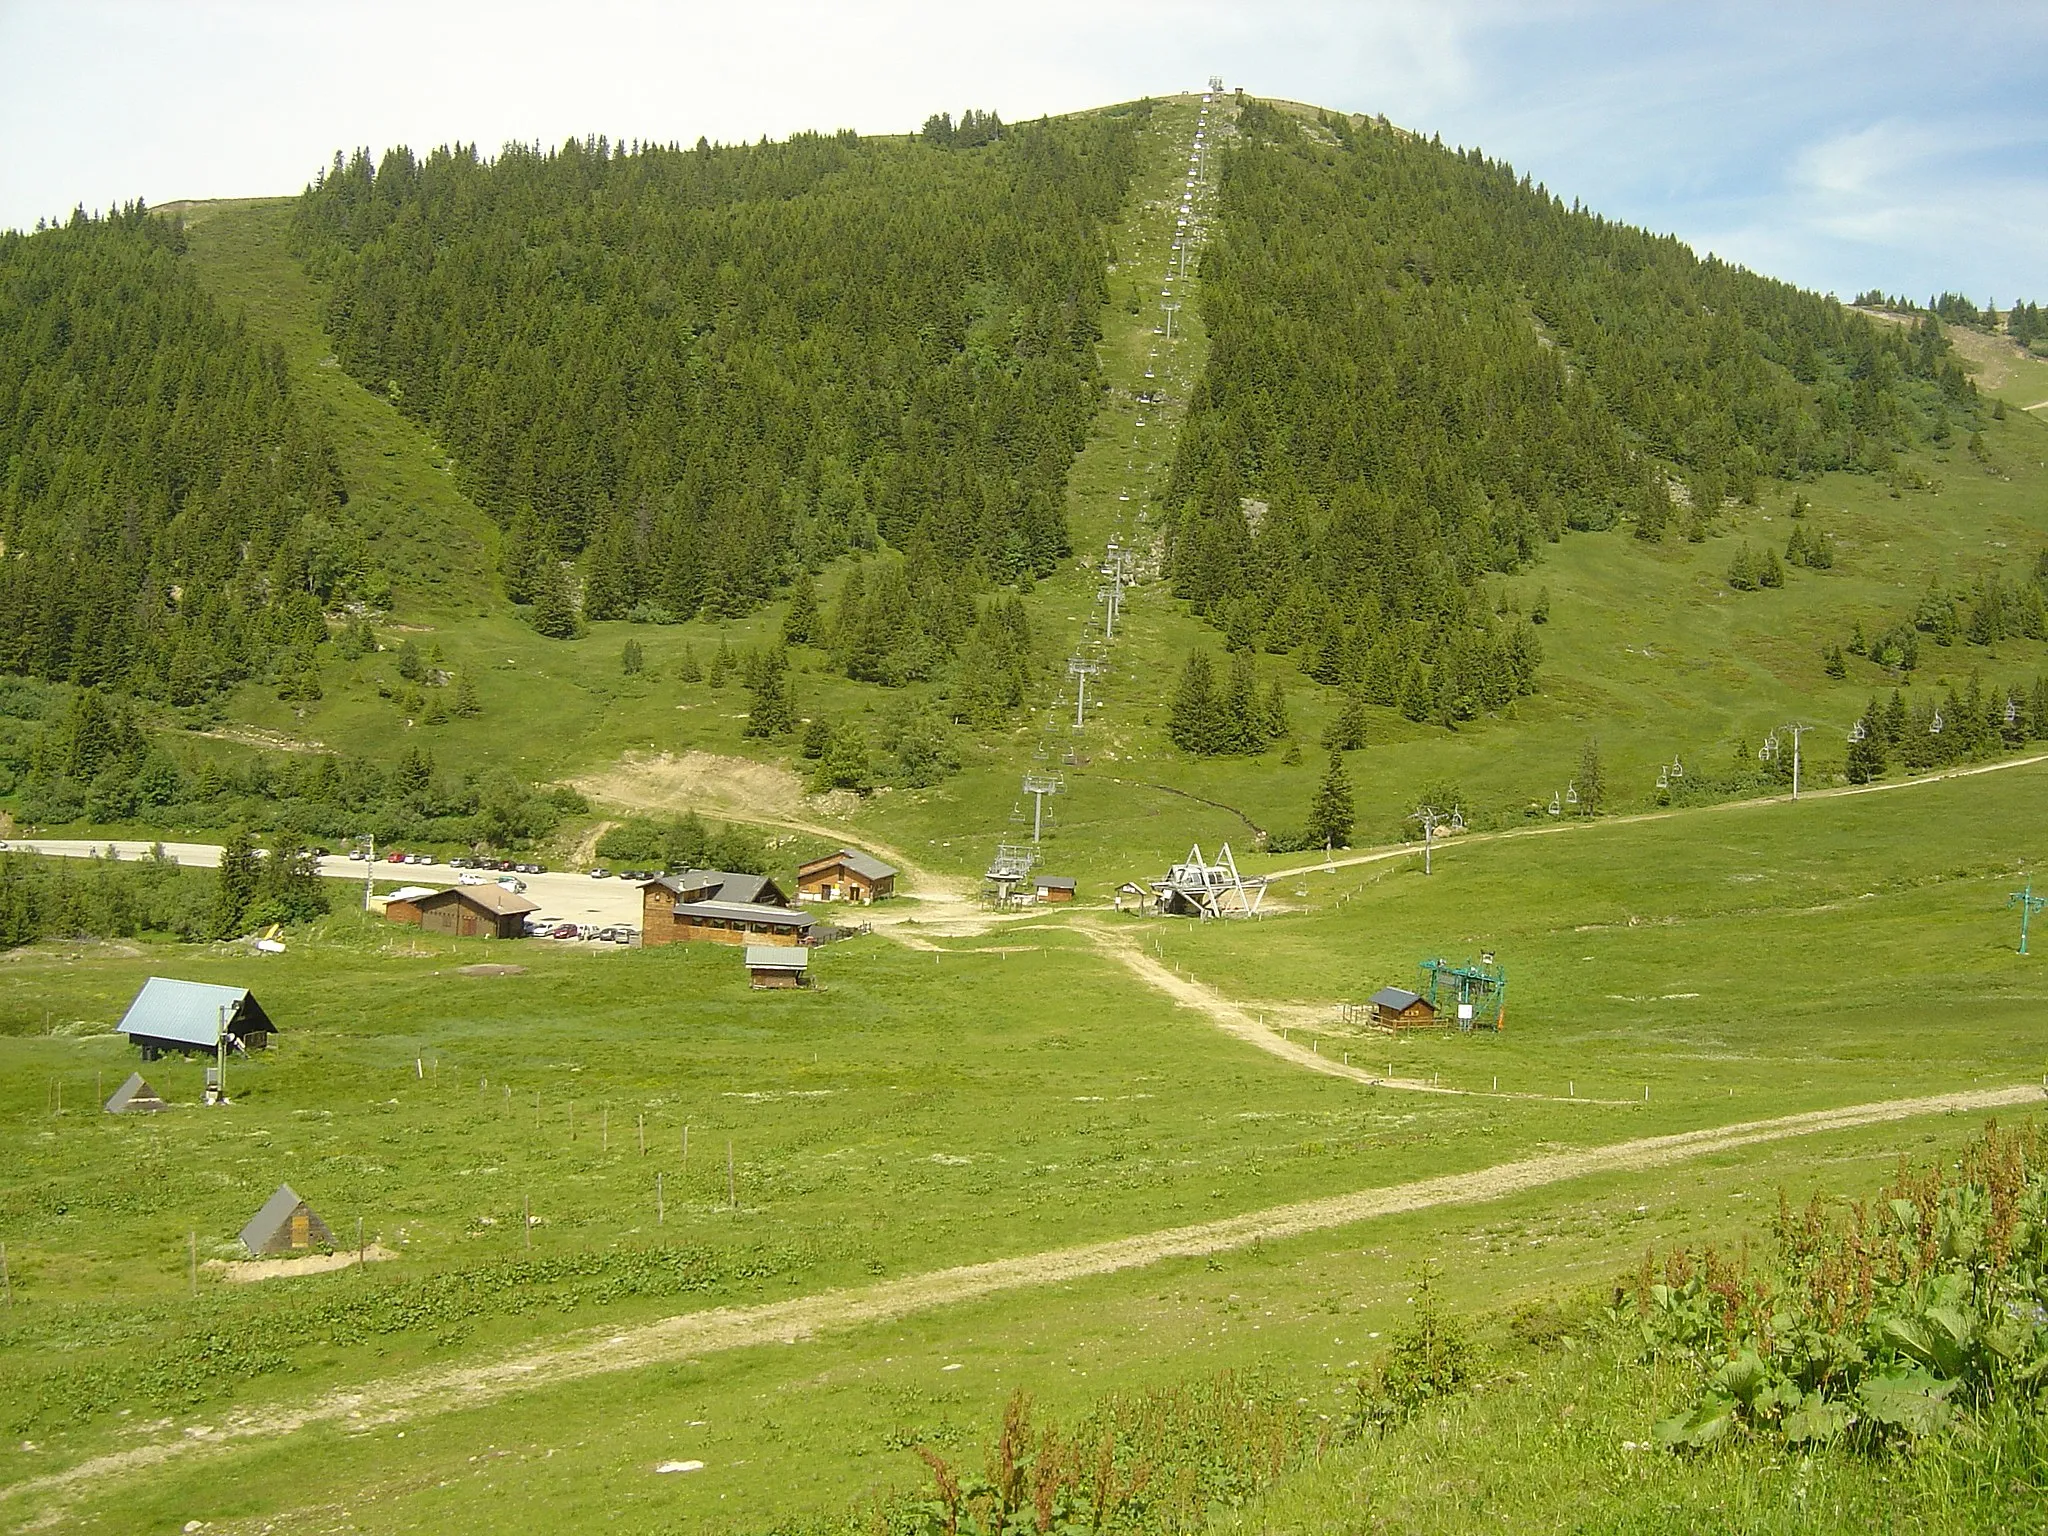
(2028, 903)
(1171, 311)
(1081, 668)
(369, 868)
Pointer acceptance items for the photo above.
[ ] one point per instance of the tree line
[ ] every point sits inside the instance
(1423, 367)
(698, 372)
(173, 520)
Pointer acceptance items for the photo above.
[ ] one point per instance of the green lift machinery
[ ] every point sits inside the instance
(1476, 993)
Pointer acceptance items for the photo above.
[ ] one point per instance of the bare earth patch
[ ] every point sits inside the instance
(250, 1270)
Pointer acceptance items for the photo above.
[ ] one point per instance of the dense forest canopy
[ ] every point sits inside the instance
(170, 516)
(1422, 367)
(706, 369)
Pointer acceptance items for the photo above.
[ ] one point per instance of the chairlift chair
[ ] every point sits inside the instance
(1934, 728)
(1856, 731)
(1677, 768)
(1571, 793)
(1555, 808)
(1663, 778)
(2012, 711)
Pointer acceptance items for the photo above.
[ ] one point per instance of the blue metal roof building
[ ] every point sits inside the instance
(183, 1016)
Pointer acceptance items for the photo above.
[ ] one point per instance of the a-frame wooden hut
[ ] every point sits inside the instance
(286, 1224)
(135, 1097)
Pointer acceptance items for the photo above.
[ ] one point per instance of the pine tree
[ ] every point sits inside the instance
(522, 555)
(1194, 720)
(1591, 779)
(817, 738)
(1347, 732)
(845, 763)
(410, 665)
(632, 661)
(1742, 571)
(1866, 761)
(1332, 811)
(1242, 728)
(800, 624)
(234, 884)
(771, 713)
(467, 706)
(687, 669)
(1277, 723)
(1770, 572)
(554, 609)
(1833, 663)
(721, 665)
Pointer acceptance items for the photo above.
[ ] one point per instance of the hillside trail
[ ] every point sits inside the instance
(1250, 1026)
(691, 1336)
(1636, 818)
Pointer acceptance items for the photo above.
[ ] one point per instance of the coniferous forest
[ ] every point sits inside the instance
(1423, 367)
(702, 371)
(172, 519)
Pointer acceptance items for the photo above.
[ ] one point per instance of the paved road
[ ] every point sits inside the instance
(573, 898)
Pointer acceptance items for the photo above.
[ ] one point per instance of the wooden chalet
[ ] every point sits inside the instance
(1398, 1008)
(848, 875)
(713, 906)
(474, 911)
(1053, 887)
(778, 965)
(190, 1016)
(403, 904)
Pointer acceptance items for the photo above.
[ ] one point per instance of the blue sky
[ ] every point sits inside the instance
(1841, 146)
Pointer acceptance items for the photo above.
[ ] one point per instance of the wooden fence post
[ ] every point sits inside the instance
(526, 1220)
(643, 1135)
(658, 1210)
(732, 1190)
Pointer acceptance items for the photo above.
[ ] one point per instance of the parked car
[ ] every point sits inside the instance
(394, 858)
(511, 884)
(527, 869)
(357, 854)
(426, 858)
(469, 877)
(625, 933)
(457, 861)
(563, 931)
(604, 935)
(600, 873)
(537, 869)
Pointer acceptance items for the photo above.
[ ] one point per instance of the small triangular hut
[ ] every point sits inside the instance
(135, 1097)
(286, 1224)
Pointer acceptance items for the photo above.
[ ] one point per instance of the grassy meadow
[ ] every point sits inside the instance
(953, 1100)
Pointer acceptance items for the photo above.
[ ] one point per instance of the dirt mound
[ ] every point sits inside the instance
(734, 788)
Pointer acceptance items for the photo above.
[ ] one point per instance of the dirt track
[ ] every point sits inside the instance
(696, 1334)
(1250, 1026)
(1565, 828)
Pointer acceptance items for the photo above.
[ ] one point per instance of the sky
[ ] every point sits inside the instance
(1841, 146)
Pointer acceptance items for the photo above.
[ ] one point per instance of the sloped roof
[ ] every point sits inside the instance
(413, 893)
(777, 957)
(746, 912)
(492, 898)
(1053, 882)
(1396, 998)
(190, 1012)
(722, 885)
(135, 1097)
(267, 1225)
(865, 865)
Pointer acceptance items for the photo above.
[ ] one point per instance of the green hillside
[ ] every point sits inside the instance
(777, 484)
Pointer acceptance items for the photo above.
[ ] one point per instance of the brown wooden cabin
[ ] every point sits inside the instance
(778, 966)
(403, 905)
(848, 875)
(475, 911)
(716, 907)
(1398, 1008)
(1053, 887)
